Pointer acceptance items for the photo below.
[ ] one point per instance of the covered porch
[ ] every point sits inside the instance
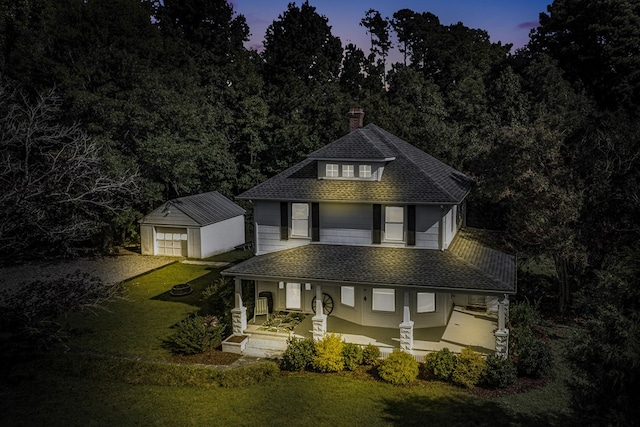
(468, 267)
(465, 328)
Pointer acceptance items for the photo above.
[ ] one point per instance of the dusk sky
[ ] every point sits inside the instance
(508, 21)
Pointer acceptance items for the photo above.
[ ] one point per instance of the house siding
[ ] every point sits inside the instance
(345, 224)
(427, 225)
(351, 224)
(267, 220)
(362, 312)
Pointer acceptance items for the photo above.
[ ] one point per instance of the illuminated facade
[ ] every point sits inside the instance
(370, 229)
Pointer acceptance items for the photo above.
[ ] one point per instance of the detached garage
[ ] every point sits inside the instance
(197, 226)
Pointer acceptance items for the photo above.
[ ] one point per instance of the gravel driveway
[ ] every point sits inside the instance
(111, 269)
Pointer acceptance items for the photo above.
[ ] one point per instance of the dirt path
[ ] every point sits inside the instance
(111, 269)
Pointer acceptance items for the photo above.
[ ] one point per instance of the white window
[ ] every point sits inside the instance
(348, 295)
(347, 171)
(426, 302)
(383, 299)
(300, 219)
(331, 170)
(294, 296)
(364, 171)
(393, 223)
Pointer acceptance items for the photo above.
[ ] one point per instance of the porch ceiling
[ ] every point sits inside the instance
(372, 265)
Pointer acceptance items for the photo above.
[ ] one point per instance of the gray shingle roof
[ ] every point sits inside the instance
(204, 209)
(368, 265)
(413, 177)
(493, 262)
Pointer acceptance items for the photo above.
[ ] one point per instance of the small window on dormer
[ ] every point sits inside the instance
(347, 171)
(364, 171)
(331, 170)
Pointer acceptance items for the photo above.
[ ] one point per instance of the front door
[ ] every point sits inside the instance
(293, 296)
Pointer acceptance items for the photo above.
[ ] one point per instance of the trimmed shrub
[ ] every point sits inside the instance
(534, 357)
(469, 368)
(195, 334)
(500, 373)
(298, 355)
(399, 368)
(370, 355)
(524, 316)
(439, 365)
(329, 354)
(352, 354)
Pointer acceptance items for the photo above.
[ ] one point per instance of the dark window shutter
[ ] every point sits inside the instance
(315, 222)
(411, 225)
(377, 223)
(284, 221)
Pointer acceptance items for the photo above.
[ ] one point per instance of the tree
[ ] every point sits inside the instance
(211, 24)
(299, 45)
(57, 191)
(529, 174)
(352, 75)
(597, 43)
(604, 353)
(301, 72)
(378, 29)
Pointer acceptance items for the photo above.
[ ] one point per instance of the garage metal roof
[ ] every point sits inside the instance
(202, 209)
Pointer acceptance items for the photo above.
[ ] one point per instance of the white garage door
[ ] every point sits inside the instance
(171, 241)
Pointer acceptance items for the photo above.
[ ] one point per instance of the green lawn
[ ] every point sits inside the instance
(82, 390)
(54, 396)
(137, 324)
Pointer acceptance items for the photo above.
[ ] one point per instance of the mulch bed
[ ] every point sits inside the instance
(209, 357)
(522, 385)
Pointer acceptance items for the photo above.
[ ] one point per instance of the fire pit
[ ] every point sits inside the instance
(181, 290)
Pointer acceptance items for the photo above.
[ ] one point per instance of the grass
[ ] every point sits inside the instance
(137, 325)
(79, 389)
(53, 395)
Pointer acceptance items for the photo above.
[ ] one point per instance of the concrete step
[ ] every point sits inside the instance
(265, 346)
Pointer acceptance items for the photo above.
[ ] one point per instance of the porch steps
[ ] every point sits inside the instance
(265, 345)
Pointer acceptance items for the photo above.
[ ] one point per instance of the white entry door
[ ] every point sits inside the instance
(294, 296)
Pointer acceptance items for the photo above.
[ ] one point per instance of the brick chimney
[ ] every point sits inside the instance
(356, 119)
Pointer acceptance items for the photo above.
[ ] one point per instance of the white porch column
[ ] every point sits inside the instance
(239, 312)
(502, 333)
(406, 327)
(320, 319)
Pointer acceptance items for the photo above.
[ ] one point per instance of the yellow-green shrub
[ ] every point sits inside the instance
(370, 355)
(352, 354)
(328, 356)
(469, 368)
(399, 368)
(439, 365)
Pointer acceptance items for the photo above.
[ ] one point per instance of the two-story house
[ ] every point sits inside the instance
(367, 229)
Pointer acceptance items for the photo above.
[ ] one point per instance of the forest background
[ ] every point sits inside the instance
(109, 108)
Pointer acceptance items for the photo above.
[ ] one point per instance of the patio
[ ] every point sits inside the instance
(464, 328)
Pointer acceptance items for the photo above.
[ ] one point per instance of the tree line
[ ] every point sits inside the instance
(109, 108)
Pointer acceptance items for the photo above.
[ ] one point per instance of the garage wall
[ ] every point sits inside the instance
(222, 236)
(193, 242)
(146, 240)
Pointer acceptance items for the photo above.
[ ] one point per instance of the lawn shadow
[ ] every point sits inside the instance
(197, 285)
(458, 410)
